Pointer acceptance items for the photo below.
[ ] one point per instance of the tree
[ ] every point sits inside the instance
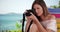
(18, 25)
(59, 4)
(54, 6)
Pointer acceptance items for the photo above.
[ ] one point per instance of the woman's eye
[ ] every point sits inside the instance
(37, 8)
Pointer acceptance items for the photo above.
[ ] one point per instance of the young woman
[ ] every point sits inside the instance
(46, 22)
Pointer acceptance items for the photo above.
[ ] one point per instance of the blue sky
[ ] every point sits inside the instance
(19, 6)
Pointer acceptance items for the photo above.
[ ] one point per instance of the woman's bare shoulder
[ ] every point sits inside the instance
(51, 17)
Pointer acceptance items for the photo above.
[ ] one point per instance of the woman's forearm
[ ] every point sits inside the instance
(27, 24)
(40, 27)
(26, 27)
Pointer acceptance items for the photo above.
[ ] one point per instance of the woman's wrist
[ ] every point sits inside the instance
(35, 20)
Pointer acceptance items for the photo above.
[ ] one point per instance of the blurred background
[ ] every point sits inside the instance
(11, 13)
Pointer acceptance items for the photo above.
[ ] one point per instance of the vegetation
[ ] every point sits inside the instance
(54, 6)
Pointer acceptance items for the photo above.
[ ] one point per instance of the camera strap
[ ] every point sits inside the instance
(30, 25)
(23, 22)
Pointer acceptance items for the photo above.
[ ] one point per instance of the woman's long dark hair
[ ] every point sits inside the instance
(44, 7)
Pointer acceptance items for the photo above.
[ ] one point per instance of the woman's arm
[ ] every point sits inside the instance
(27, 24)
(40, 27)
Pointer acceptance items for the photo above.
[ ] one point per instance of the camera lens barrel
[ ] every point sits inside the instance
(28, 13)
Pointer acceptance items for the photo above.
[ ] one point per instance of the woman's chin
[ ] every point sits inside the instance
(39, 14)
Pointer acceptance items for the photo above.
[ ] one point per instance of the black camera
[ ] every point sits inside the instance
(28, 13)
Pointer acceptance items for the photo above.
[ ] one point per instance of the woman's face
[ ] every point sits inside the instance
(38, 9)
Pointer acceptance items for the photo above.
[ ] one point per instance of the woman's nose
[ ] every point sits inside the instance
(36, 11)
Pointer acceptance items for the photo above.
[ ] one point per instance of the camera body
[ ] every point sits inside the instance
(28, 13)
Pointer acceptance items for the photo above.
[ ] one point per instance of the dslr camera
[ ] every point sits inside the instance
(28, 13)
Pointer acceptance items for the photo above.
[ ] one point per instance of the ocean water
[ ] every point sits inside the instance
(8, 22)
